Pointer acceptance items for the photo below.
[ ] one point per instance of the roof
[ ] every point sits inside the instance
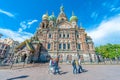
(26, 43)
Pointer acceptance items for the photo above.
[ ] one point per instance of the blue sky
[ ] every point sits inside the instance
(101, 18)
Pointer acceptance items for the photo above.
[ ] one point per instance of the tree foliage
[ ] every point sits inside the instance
(109, 50)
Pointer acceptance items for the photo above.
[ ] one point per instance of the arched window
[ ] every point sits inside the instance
(67, 35)
(60, 35)
(49, 45)
(60, 46)
(63, 35)
(78, 46)
(50, 36)
(77, 36)
(68, 46)
(64, 46)
(62, 19)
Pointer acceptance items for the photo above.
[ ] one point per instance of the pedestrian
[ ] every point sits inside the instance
(80, 69)
(57, 66)
(51, 66)
(74, 67)
(77, 65)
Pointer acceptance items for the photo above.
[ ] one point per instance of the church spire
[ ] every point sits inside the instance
(62, 8)
(61, 17)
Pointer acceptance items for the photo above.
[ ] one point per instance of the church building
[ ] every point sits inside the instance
(63, 37)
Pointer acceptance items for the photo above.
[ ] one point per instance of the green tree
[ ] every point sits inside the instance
(111, 51)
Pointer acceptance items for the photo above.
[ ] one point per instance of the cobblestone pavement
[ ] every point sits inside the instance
(95, 72)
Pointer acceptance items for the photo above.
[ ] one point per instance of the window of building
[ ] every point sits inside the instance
(60, 46)
(60, 35)
(64, 46)
(68, 46)
(78, 46)
(63, 35)
(67, 35)
(62, 19)
(49, 45)
(50, 36)
(77, 36)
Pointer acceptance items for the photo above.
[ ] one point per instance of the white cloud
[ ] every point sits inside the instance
(18, 36)
(94, 15)
(26, 24)
(31, 22)
(115, 9)
(23, 26)
(6, 13)
(20, 30)
(107, 32)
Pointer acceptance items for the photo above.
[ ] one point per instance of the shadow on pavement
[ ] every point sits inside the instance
(19, 77)
(84, 70)
(63, 72)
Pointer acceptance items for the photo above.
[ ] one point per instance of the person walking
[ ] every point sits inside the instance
(74, 67)
(57, 66)
(51, 66)
(80, 69)
(77, 65)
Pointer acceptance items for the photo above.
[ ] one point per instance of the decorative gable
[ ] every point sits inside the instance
(64, 25)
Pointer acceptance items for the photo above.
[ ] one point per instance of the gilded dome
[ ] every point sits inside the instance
(73, 18)
(45, 17)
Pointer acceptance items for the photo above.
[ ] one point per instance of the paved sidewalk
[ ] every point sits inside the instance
(95, 72)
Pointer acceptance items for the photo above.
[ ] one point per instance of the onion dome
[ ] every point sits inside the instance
(52, 17)
(45, 16)
(73, 18)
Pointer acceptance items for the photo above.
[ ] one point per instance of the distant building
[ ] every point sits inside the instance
(7, 47)
(3, 50)
(12, 44)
